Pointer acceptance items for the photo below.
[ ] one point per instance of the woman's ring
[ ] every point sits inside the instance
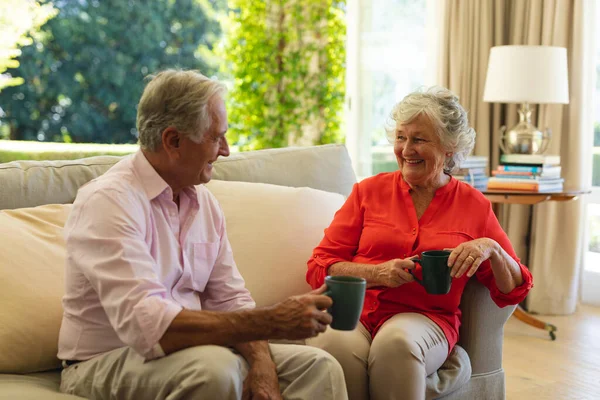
(471, 257)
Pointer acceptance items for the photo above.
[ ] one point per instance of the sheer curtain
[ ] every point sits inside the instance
(553, 248)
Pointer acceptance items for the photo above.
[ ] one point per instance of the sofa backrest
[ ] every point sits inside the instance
(34, 183)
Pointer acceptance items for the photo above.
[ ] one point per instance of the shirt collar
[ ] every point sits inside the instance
(152, 182)
(440, 192)
(154, 185)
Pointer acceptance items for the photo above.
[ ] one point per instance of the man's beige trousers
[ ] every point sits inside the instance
(202, 372)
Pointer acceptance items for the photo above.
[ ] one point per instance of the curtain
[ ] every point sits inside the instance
(551, 240)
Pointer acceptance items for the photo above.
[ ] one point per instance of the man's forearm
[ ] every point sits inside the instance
(196, 328)
(253, 352)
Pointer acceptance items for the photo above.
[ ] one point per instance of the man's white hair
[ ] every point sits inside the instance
(179, 99)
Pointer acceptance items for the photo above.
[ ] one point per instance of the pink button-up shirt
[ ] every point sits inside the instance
(134, 260)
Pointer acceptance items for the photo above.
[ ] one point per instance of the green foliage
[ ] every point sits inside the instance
(84, 72)
(596, 169)
(23, 150)
(594, 234)
(287, 63)
(17, 18)
(596, 134)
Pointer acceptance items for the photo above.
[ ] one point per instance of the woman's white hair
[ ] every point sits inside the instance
(447, 115)
(179, 99)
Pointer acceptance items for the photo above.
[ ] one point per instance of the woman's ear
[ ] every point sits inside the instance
(449, 154)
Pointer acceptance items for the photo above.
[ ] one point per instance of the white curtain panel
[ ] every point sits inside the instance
(554, 246)
(558, 234)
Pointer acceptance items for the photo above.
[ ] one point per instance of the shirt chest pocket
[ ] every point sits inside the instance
(204, 256)
(451, 239)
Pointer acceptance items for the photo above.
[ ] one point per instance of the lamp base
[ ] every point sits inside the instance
(524, 138)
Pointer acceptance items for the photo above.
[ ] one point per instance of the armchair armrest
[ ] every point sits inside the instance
(482, 329)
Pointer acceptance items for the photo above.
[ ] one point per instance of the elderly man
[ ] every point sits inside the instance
(155, 307)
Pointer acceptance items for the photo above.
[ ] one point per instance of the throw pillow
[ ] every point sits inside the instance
(31, 288)
(273, 230)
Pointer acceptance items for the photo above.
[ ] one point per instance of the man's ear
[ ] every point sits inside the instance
(171, 141)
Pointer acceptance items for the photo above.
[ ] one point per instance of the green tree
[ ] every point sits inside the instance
(286, 59)
(18, 18)
(85, 71)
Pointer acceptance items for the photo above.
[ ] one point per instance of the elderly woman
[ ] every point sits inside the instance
(406, 334)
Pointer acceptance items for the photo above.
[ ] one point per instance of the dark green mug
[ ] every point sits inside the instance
(348, 295)
(436, 274)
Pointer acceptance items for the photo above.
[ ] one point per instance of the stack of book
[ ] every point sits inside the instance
(527, 172)
(473, 171)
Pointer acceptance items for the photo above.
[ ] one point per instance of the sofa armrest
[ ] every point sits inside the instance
(482, 329)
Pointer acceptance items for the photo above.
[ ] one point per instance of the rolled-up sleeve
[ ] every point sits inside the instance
(485, 275)
(108, 246)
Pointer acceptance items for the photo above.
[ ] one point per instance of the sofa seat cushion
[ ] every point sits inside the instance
(273, 230)
(39, 386)
(31, 288)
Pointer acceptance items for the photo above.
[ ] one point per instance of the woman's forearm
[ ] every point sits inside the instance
(369, 272)
(507, 272)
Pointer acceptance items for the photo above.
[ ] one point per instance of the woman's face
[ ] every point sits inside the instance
(419, 152)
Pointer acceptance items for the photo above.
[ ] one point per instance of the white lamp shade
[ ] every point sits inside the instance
(527, 74)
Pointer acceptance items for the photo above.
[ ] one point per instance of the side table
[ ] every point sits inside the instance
(498, 197)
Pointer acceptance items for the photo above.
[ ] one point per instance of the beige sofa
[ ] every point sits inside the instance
(277, 203)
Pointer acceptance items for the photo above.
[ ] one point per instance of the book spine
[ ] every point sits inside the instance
(536, 178)
(513, 185)
(514, 174)
(522, 169)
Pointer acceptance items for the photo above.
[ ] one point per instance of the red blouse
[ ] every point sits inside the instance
(378, 222)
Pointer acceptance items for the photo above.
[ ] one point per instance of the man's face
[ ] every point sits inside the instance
(197, 158)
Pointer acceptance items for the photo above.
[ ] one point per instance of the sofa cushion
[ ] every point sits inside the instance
(39, 386)
(31, 288)
(273, 230)
(34, 183)
(326, 167)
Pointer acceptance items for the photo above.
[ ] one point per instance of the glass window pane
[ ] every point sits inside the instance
(596, 156)
(593, 256)
(592, 260)
(393, 63)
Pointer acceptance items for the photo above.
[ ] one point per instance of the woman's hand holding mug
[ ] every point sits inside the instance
(393, 273)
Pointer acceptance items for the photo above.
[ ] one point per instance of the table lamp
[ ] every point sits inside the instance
(526, 75)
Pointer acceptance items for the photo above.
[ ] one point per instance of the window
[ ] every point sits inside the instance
(591, 273)
(390, 53)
